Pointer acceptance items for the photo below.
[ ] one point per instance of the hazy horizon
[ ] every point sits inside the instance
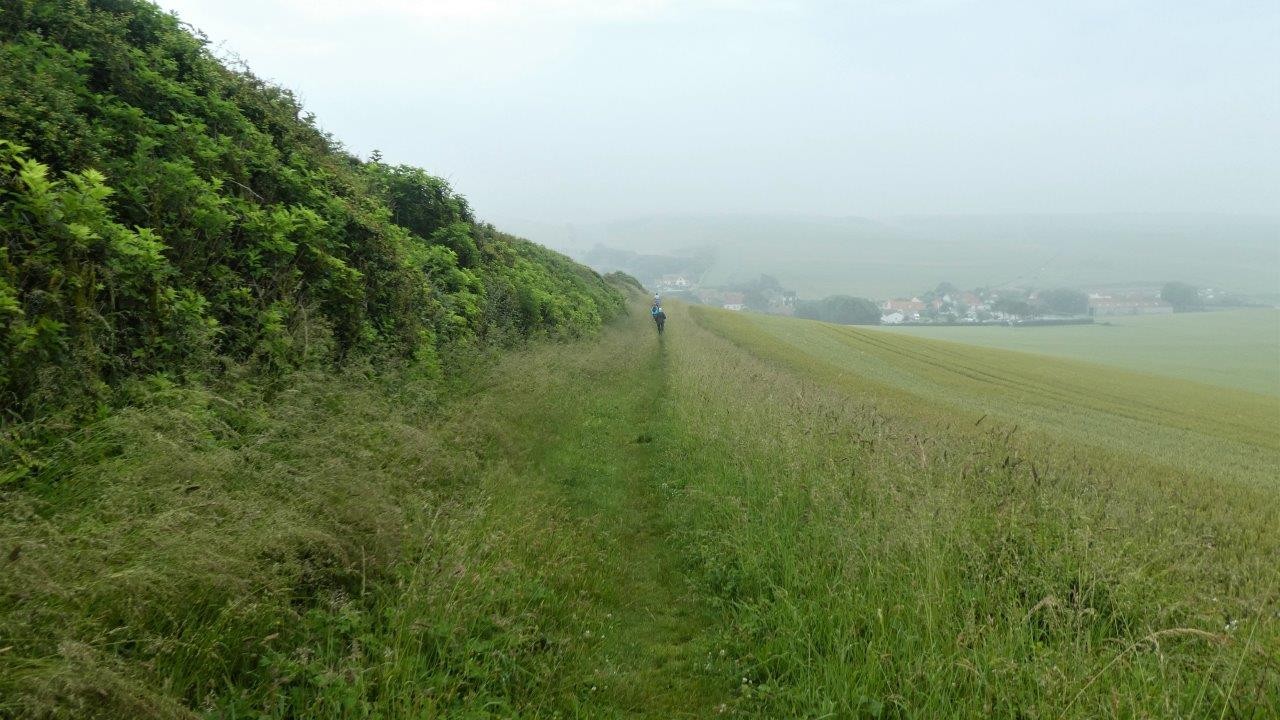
(906, 254)
(571, 112)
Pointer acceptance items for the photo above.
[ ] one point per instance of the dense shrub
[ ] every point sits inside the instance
(160, 212)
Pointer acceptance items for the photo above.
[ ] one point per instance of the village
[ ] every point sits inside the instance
(948, 305)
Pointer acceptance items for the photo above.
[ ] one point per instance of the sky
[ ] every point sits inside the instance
(580, 111)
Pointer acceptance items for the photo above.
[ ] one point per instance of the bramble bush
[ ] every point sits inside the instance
(162, 213)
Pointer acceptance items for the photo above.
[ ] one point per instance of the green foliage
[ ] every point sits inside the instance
(624, 280)
(842, 309)
(83, 300)
(163, 213)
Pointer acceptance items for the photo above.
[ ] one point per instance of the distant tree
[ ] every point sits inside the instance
(761, 283)
(1064, 301)
(1182, 296)
(769, 282)
(842, 309)
(946, 288)
(759, 292)
(1013, 306)
(756, 299)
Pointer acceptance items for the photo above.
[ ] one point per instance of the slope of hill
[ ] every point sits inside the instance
(162, 213)
(752, 516)
(1237, 349)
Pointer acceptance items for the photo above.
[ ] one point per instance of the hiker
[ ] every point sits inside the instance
(659, 317)
(656, 302)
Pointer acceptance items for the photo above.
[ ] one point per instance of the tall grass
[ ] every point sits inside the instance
(884, 556)
(329, 554)
(739, 518)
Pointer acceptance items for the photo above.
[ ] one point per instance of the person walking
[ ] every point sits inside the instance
(659, 317)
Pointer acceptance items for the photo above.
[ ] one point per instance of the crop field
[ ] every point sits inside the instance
(956, 530)
(1236, 348)
(1212, 431)
(749, 517)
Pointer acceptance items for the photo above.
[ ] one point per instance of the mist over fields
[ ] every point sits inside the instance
(902, 255)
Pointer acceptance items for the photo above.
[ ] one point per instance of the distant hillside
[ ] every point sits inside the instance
(901, 255)
(163, 213)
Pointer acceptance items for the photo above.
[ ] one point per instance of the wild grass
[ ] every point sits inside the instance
(744, 517)
(202, 555)
(360, 546)
(886, 551)
(1208, 431)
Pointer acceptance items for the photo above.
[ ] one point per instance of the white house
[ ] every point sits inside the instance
(674, 283)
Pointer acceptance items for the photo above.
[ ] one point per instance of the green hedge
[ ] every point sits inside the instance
(162, 213)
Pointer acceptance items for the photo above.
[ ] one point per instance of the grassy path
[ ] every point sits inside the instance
(589, 424)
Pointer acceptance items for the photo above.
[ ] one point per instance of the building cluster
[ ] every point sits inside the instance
(673, 283)
(1104, 304)
(727, 299)
(774, 302)
(1013, 305)
(960, 306)
(946, 305)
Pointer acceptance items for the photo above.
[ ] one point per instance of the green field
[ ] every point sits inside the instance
(753, 516)
(1237, 349)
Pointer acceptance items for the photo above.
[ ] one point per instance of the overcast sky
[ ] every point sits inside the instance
(587, 110)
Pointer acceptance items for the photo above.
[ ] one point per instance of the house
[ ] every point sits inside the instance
(673, 283)
(914, 305)
(1102, 305)
(734, 301)
(783, 303)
